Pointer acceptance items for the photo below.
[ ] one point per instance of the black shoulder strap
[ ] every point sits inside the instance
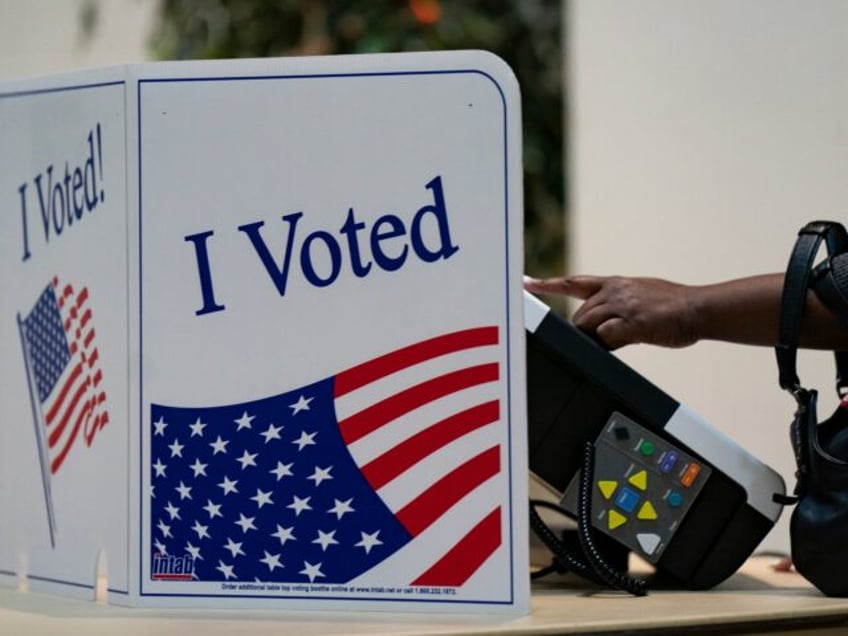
(829, 278)
(793, 301)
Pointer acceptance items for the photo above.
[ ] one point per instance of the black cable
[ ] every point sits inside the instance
(564, 559)
(603, 570)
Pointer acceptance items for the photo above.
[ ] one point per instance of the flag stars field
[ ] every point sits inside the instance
(184, 491)
(198, 468)
(302, 404)
(234, 548)
(176, 448)
(272, 432)
(193, 550)
(341, 508)
(197, 428)
(246, 523)
(312, 571)
(230, 453)
(368, 541)
(284, 534)
(247, 459)
(262, 498)
(282, 470)
(219, 446)
(244, 421)
(200, 530)
(164, 529)
(305, 439)
(325, 539)
(320, 475)
(299, 505)
(271, 560)
(229, 485)
(159, 427)
(214, 510)
(226, 570)
(172, 511)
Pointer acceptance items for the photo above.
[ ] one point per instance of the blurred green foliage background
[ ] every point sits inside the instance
(527, 34)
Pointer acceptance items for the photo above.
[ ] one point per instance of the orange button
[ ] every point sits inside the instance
(690, 474)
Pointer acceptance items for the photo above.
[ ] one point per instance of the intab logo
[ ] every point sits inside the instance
(172, 568)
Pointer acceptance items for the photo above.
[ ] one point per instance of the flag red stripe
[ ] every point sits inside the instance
(63, 295)
(395, 461)
(360, 375)
(56, 433)
(88, 338)
(58, 459)
(172, 577)
(463, 559)
(86, 316)
(63, 392)
(370, 419)
(418, 514)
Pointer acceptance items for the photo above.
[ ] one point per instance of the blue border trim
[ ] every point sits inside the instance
(59, 89)
(87, 586)
(233, 78)
(48, 579)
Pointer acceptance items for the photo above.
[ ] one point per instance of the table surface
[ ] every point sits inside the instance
(755, 599)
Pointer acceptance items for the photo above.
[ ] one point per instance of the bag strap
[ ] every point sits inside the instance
(793, 300)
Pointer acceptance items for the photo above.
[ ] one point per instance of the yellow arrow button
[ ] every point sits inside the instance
(615, 519)
(647, 511)
(607, 488)
(640, 479)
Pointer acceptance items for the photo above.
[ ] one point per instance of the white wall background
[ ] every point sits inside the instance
(702, 136)
(46, 36)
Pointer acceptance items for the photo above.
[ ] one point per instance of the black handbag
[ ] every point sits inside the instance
(819, 524)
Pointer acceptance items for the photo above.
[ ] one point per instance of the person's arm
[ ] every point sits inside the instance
(622, 310)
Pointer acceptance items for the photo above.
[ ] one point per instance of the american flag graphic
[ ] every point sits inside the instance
(63, 370)
(395, 461)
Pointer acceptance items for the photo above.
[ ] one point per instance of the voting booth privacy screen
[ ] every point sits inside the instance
(262, 334)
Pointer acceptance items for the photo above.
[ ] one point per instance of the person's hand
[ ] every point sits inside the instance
(619, 311)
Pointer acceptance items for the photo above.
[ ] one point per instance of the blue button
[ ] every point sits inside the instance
(627, 499)
(674, 499)
(668, 462)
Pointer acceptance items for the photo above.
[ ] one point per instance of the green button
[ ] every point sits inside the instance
(647, 448)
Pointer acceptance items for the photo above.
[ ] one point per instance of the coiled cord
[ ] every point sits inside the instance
(602, 569)
(564, 560)
(594, 566)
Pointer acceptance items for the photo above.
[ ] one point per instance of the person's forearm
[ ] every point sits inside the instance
(747, 311)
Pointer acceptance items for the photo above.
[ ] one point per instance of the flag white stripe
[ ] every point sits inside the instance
(410, 484)
(394, 383)
(387, 437)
